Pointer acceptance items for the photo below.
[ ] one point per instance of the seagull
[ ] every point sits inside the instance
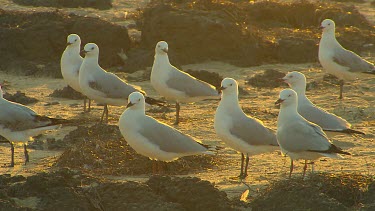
(327, 121)
(19, 123)
(176, 85)
(243, 133)
(299, 138)
(70, 63)
(338, 61)
(154, 139)
(102, 86)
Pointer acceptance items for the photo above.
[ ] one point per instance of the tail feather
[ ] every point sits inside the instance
(347, 131)
(332, 149)
(153, 101)
(211, 148)
(51, 121)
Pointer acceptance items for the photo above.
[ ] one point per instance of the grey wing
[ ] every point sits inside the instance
(189, 85)
(169, 139)
(303, 136)
(351, 60)
(323, 118)
(17, 117)
(252, 131)
(112, 86)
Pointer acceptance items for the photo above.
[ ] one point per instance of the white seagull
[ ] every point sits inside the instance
(338, 61)
(19, 124)
(176, 85)
(70, 63)
(243, 133)
(299, 138)
(154, 139)
(102, 86)
(327, 121)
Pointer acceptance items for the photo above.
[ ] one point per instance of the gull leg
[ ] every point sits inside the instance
(177, 113)
(106, 113)
(341, 88)
(246, 165)
(304, 169)
(12, 154)
(84, 105)
(312, 166)
(291, 168)
(242, 164)
(26, 153)
(89, 107)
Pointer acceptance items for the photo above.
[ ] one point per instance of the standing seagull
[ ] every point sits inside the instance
(243, 133)
(176, 85)
(19, 123)
(70, 63)
(299, 138)
(152, 138)
(327, 121)
(102, 86)
(336, 60)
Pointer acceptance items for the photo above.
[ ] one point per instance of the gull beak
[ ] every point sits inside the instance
(321, 27)
(84, 52)
(130, 104)
(68, 43)
(219, 90)
(165, 50)
(279, 101)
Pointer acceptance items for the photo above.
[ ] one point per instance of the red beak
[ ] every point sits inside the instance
(279, 101)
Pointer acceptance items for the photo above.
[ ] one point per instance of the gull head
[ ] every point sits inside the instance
(295, 80)
(287, 97)
(73, 40)
(136, 100)
(161, 48)
(229, 86)
(327, 25)
(91, 49)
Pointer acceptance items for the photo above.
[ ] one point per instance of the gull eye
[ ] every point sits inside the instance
(75, 40)
(92, 48)
(139, 100)
(329, 24)
(158, 46)
(291, 76)
(230, 84)
(289, 95)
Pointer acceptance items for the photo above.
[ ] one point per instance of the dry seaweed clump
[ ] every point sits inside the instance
(248, 33)
(66, 189)
(67, 92)
(20, 97)
(101, 149)
(98, 4)
(268, 79)
(319, 192)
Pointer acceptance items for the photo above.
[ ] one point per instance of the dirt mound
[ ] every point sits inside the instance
(102, 149)
(36, 40)
(246, 34)
(267, 79)
(319, 192)
(20, 97)
(67, 92)
(65, 189)
(97, 4)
